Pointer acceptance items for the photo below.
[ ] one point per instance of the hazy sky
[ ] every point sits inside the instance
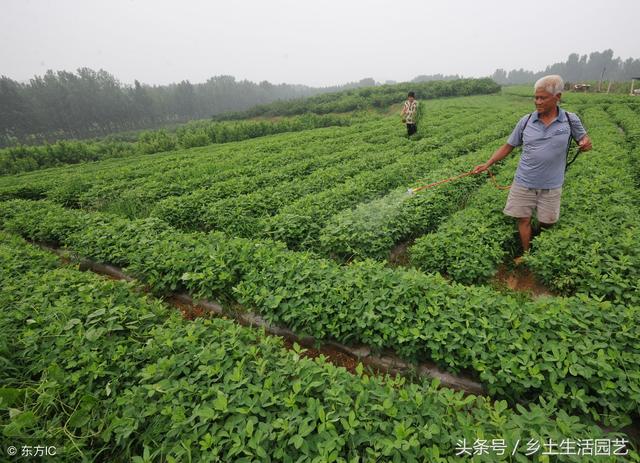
(319, 43)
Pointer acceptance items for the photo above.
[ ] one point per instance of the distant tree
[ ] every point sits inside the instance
(500, 76)
(577, 68)
(142, 103)
(16, 112)
(63, 104)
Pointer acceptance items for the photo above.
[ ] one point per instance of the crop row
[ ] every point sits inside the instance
(102, 372)
(370, 97)
(137, 182)
(578, 353)
(628, 120)
(88, 185)
(572, 98)
(262, 181)
(25, 158)
(240, 162)
(119, 169)
(300, 223)
(239, 215)
(131, 186)
(373, 228)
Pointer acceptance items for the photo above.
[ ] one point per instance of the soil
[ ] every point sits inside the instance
(334, 356)
(399, 255)
(520, 279)
(188, 311)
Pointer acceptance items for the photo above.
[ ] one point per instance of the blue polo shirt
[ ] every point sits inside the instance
(544, 151)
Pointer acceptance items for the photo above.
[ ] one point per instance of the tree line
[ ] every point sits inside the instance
(577, 68)
(88, 103)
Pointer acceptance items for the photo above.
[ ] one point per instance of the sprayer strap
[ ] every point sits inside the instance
(575, 156)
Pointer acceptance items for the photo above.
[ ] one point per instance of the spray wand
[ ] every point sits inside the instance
(413, 191)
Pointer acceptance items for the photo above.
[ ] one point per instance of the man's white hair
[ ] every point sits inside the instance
(552, 84)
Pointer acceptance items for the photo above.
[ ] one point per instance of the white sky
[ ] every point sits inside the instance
(318, 43)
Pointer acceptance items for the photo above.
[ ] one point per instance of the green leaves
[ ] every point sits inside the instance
(514, 346)
(373, 228)
(220, 403)
(469, 246)
(219, 390)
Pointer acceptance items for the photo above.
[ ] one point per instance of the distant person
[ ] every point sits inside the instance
(409, 113)
(545, 135)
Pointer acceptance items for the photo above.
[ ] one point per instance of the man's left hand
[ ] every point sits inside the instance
(585, 143)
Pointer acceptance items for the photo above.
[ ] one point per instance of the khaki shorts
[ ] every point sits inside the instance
(523, 201)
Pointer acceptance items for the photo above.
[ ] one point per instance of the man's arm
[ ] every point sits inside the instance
(499, 155)
(578, 132)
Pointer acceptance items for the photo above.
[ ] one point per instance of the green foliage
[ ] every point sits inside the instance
(373, 228)
(371, 97)
(311, 113)
(331, 191)
(108, 374)
(25, 158)
(195, 180)
(577, 353)
(155, 142)
(300, 223)
(469, 246)
(228, 209)
(144, 181)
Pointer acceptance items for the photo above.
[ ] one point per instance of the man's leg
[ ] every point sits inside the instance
(549, 208)
(524, 227)
(521, 203)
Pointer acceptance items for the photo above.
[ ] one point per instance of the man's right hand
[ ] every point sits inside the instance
(480, 168)
(498, 156)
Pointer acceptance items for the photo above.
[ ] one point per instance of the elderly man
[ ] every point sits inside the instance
(545, 135)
